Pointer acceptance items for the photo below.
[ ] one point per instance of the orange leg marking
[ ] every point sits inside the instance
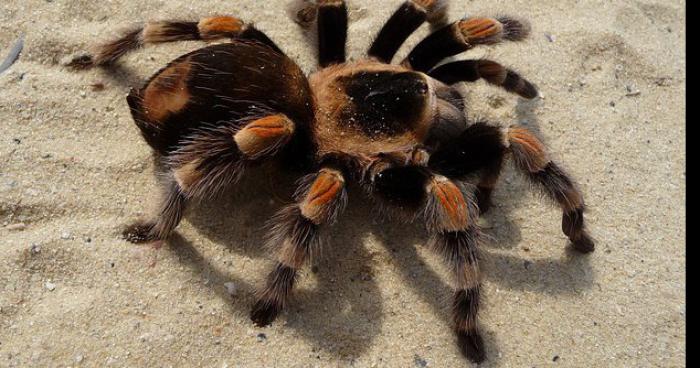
(216, 27)
(426, 4)
(534, 149)
(323, 192)
(452, 203)
(478, 30)
(263, 135)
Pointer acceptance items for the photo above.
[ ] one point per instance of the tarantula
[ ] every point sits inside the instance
(397, 130)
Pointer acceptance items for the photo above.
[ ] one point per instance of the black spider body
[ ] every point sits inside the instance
(398, 130)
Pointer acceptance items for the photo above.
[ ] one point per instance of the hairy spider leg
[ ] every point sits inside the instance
(207, 162)
(154, 32)
(450, 213)
(407, 18)
(461, 36)
(294, 232)
(332, 32)
(482, 147)
(491, 71)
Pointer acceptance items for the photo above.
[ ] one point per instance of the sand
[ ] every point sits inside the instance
(74, 170)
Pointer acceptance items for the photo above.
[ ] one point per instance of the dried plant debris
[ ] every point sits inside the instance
(12, 57)
(303, 12)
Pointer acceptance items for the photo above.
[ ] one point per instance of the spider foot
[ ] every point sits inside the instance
(472, 346)
(138, 233)
(584, 244)
(264, 313)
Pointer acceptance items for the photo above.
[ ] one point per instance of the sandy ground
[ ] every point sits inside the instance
(74, 170)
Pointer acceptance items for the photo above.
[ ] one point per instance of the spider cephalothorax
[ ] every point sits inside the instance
(398, 130)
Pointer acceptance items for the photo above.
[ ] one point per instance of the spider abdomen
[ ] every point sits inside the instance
(220, 84)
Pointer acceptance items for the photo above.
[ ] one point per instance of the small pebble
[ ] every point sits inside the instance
(231, 288)
(50, 286)
(36, 248)
(79, 359)
(420, 362)
(261, 337)
(550, 37)
(306, 16)
(663, 81)
(632, 91)
(65, 235)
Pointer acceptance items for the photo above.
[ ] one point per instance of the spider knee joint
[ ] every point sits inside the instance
(324, 197)
(216, 27)
(264, 135)
(449, 208)
(187, 175)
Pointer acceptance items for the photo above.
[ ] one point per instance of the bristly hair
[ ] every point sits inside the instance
(554, 182)
(458, 247)
(514, 29)
(332, 210)
(290, 225)
(436, 10)
(437, 218)
(111, 51)
(171, 211)
(215, 157)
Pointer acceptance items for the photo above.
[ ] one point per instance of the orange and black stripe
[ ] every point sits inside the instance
(207, 29)
(407, 18)
(462, 36)
(460, 250)
(530, 156)
(295, 233)
(492, 72)
(481, 148)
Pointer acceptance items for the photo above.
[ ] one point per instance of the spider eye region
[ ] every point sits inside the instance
(385, 102)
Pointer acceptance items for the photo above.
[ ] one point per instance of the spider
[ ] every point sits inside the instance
(397, 130)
